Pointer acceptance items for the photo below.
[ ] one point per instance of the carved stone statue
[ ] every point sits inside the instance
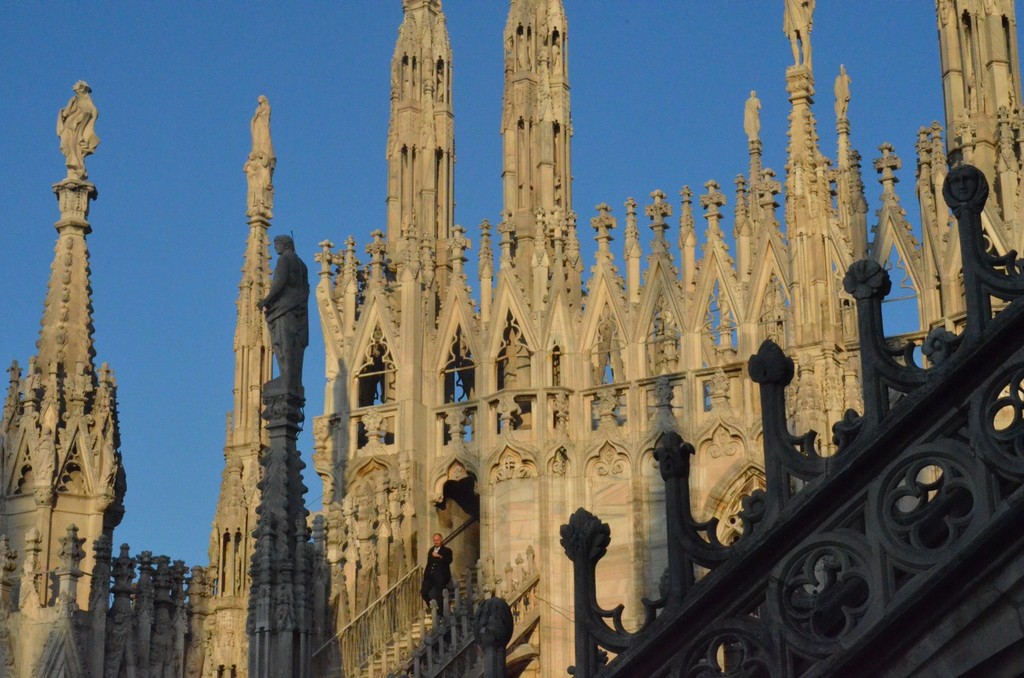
(259, 168)
(260, 126)
(752, 117)
(287, 309)
(842, 90)
(797, 19)
(76, 127)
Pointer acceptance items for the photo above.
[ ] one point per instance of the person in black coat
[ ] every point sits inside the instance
(437, 573)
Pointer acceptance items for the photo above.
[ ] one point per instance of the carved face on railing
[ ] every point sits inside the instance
(965, 186)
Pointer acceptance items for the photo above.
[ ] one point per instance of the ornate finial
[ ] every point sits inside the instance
(768, 188)
(494, 624)
(76, 127)
(349, 263)
(711, 202)
(457, 246)
(486, 262)
(324, 257)
(259, 168)
(867, 279)
(630, 207)
(376, 249)
(687, 237)
(742, 223)
(505, 232)
(632, 233)
(585, 537)
(604, 223)
(657, 211)
(752, 117)
(771, 365)
(797, 19)
(842, 92)
(887, 166)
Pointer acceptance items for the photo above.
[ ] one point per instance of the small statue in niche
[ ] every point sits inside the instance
(76, 127)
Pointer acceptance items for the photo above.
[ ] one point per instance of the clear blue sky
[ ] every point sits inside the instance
(657, 87)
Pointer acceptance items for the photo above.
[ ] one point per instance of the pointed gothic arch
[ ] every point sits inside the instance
(375, 375)
(727, 504)
(719, 325)
(902, 307)
(774, 313)
(513, 361)
(606, 351)
(459, 371)
(663, 340)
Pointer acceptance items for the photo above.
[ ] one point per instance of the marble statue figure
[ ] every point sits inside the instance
(752, 117)
(797, 20)
(76, 127)
(287, 309)
(259, 167)
(842, 91)
(261, 128)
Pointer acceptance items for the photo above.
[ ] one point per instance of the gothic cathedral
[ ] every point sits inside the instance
(489, 417)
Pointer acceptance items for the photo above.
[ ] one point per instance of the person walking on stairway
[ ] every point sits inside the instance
(437, 574)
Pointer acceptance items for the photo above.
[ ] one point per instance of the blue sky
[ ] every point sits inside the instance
(657, 87)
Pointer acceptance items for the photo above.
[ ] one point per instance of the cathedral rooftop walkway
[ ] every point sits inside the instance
(900, 555)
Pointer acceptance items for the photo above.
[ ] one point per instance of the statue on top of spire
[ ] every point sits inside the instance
(76, 127)
(752, 117)
(797, 19)
(259, 168)
(842, 91)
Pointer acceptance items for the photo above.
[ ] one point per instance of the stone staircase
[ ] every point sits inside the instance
(394, 637)
(397, 651)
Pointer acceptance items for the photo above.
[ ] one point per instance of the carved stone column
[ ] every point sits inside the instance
(279, 624)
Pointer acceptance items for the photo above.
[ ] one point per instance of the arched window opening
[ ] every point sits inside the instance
(406, 77)
(440, 85)
(968, 61)
(1011, 58)
(718, 334)
(459, 372)
(513, 357)
(556, 365)
(730, 522)
(901, 309)
(376, 376)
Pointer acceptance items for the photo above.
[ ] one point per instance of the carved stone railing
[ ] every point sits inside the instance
(845, 562)
(448, 649)
(454, 647)
(525, 609)
(376, 627)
